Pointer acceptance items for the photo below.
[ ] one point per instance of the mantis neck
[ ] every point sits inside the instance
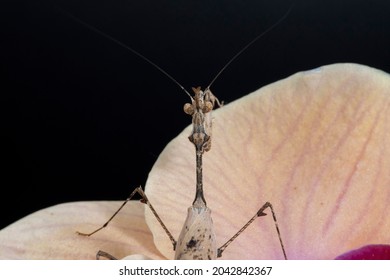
(199, 200)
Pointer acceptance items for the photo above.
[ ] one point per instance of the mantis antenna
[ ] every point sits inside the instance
(94, 29)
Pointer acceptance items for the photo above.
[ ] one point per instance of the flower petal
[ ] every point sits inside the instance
(316, 145)
(368, 252)
(51, 233)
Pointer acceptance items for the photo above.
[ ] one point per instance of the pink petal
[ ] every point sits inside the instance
(51, 233)
(369, 252)
(316, 145)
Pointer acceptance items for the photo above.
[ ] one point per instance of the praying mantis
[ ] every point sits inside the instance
(197, 239)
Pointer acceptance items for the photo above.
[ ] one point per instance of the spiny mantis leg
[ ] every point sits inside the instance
(259, 213)
(143, 200)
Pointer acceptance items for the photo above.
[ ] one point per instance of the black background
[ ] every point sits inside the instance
(85, 119)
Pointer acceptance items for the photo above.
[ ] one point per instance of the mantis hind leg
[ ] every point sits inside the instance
(259, 213)
(143, 200)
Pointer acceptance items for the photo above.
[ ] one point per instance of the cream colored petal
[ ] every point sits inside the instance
(316, 145)
(136, 257)
(51, 233)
